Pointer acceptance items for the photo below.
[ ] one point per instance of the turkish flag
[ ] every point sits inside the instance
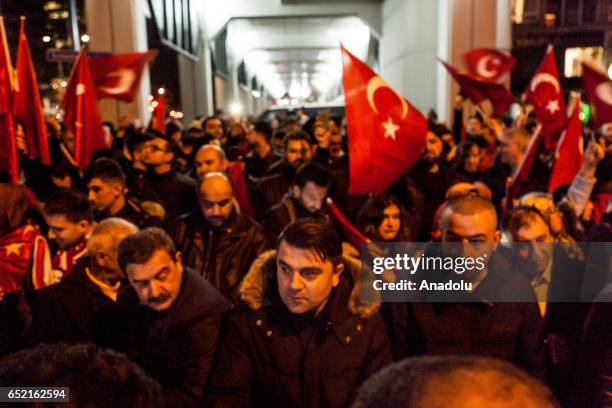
(118, 76)
(569, 155)
(26, 102)
(8, 144)
(487, 64)
(523, 169)
(479, 91)
(159, 114)
(545, 93)
(598, 89)
(386, 134)
(81, 115)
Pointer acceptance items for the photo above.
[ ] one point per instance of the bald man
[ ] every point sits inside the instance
(65, 311)
(217, 241)
(210, 158)
(474, 323)
(453, 382)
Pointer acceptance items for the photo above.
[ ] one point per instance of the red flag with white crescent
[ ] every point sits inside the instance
(26, 102)
(488, 64)
(8, 144)
(118, 76)
(386, 134)
(569, 155)
(545, 92)
(479, 91)
(598, 89)
(81, 115)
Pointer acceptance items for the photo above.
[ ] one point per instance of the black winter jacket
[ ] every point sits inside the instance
(222, 255)
(270, 357)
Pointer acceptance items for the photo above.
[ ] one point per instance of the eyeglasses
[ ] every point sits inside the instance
(155, 148)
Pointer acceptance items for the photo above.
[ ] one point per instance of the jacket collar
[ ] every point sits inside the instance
(257, 286)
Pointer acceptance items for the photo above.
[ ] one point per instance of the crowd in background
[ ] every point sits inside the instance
(207, 256)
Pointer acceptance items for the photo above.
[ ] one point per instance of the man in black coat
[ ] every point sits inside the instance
(217, 241)
(304, 199)
(107, 192)
(178, 321)
(305, 335)
(66, 311)
(429, 179)
(262, 156)
(476, 324)
(176, 191)
(557, 281)
(271, 188)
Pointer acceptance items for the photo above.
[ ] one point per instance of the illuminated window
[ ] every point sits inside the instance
(525, 11)
(574, 56)
(52, 5)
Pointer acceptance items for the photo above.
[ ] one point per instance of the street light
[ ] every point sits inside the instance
(235, 108)
(46, 39)
(85, 38)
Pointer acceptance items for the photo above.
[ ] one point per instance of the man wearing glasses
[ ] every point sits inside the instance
(175, 190)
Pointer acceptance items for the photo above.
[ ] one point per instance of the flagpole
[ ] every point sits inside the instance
(13, 158)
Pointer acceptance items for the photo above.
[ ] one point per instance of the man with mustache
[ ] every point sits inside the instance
(178, 321)
(557, 280)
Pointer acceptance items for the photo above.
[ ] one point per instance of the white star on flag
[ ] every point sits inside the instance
(552, 106)
(390, 128)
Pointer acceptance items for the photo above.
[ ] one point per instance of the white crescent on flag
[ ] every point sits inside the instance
(544, 77)
(604, 92)
(481, 67)
(373, 84)
(126, 78)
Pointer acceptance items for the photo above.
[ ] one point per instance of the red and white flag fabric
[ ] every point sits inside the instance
(598, 87)
(81, 115)
(487, 64)
(480, 91)
(118, 76)
(386, 134)
(545, 92)
(523, 169)
(569, 155)
(8, 144)
(26, 102)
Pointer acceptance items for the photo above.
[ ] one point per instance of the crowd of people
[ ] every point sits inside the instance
(201, 266)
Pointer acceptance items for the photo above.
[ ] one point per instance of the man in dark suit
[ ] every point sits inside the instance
(66, 311)
(177, 324)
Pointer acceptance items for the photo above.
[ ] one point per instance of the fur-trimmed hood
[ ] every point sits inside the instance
(364, 301)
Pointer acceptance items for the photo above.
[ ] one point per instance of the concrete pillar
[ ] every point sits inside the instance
(417, 32)
(119, 26)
